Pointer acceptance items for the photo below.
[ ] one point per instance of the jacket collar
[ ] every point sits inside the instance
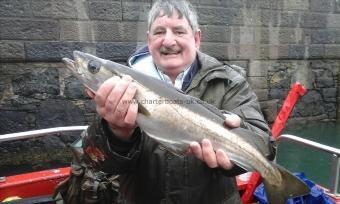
(201, 68)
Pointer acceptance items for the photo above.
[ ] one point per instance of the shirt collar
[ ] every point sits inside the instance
(179, 79)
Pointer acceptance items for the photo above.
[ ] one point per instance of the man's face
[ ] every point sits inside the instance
(172, 43)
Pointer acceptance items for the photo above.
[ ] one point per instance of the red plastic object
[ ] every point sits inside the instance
(279, 123)
(33, 184)
(287, 107)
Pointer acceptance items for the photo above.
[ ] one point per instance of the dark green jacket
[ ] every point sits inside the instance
(151, 174)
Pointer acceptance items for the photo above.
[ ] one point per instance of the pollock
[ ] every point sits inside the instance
(175, 120)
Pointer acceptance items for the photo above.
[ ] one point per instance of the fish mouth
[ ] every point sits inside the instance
(69, 63)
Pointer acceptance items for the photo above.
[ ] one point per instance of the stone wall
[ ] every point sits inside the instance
(278, 42)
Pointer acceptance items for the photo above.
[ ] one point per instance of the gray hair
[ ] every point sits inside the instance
(167, 7)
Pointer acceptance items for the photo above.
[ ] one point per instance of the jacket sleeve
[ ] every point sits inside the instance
(108, 154)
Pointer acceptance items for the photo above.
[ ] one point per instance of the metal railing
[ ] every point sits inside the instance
(40, 133)
(335, 168)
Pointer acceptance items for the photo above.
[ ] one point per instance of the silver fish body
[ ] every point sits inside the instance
(175, 120)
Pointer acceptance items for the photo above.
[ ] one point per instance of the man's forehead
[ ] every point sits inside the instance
(163, 18)
(173, 14)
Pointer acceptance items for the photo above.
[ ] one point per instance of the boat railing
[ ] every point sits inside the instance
(40, 133)
(335, 152)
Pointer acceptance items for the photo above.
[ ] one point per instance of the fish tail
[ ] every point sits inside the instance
(290, 187)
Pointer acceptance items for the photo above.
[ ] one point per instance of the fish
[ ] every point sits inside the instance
(184, 119)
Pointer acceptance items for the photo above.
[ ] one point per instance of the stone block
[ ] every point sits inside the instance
(82, 31)
(289, 19)
(263, 17)
(313, 20)
(59, 112)
(262, 94)
(103, 10)
(54, 51)
(115, 51)
(333, 21)
(258, 68)
(135, 11)
(74, 89)
(213, 33)
(258, 82)
(219, 16)
(240, 63)
(36, 81)
(280, 80)
(262, 4)
(13, 121)
(311, 104)
(296, 51)
(332, 51)
(277, 52)
(270, 109)
(248, 52)
(276, 93)
(326, 6)
(218, 50)
(15, 8)
(324, 78)
(55, 9)
(337, 6)
(296, 5)
(12, 51)
(225, 3)
(243, 35)
(316, 51)
(325, 36)
(29, 30)
(331, 109)
(290, 36)
(120, 31)
(329, 93)
(262, 35)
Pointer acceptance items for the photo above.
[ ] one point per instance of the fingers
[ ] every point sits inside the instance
(232, 120)
(196, 150)
(104, 90)
(131, 115)
(223, 160)
(206, 153)
(114, 100)
(128, 91)
(115, 95)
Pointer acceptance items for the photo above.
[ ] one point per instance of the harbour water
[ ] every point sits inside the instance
(315, 164)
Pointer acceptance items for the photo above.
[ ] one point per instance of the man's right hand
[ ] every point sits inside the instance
(114, 101)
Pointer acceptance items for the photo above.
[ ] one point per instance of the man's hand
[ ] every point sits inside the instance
(206, 153)
(114, 103)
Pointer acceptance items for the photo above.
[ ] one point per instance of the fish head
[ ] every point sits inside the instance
(89, 69)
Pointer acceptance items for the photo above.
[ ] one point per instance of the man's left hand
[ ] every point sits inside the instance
(206, 153)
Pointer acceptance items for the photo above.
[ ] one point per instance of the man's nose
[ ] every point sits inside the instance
(169, 39)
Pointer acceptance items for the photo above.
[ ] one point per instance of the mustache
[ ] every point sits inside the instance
(170, 50)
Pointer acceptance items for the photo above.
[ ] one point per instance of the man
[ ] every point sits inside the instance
(151, 174)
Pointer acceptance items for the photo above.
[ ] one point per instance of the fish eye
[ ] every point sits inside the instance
(93, 66)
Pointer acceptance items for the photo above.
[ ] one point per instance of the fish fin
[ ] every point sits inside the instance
(180, 152)
(243, 165)
(290, 187)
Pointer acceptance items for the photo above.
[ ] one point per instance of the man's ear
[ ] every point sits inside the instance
(197, 37)
(147, 36)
